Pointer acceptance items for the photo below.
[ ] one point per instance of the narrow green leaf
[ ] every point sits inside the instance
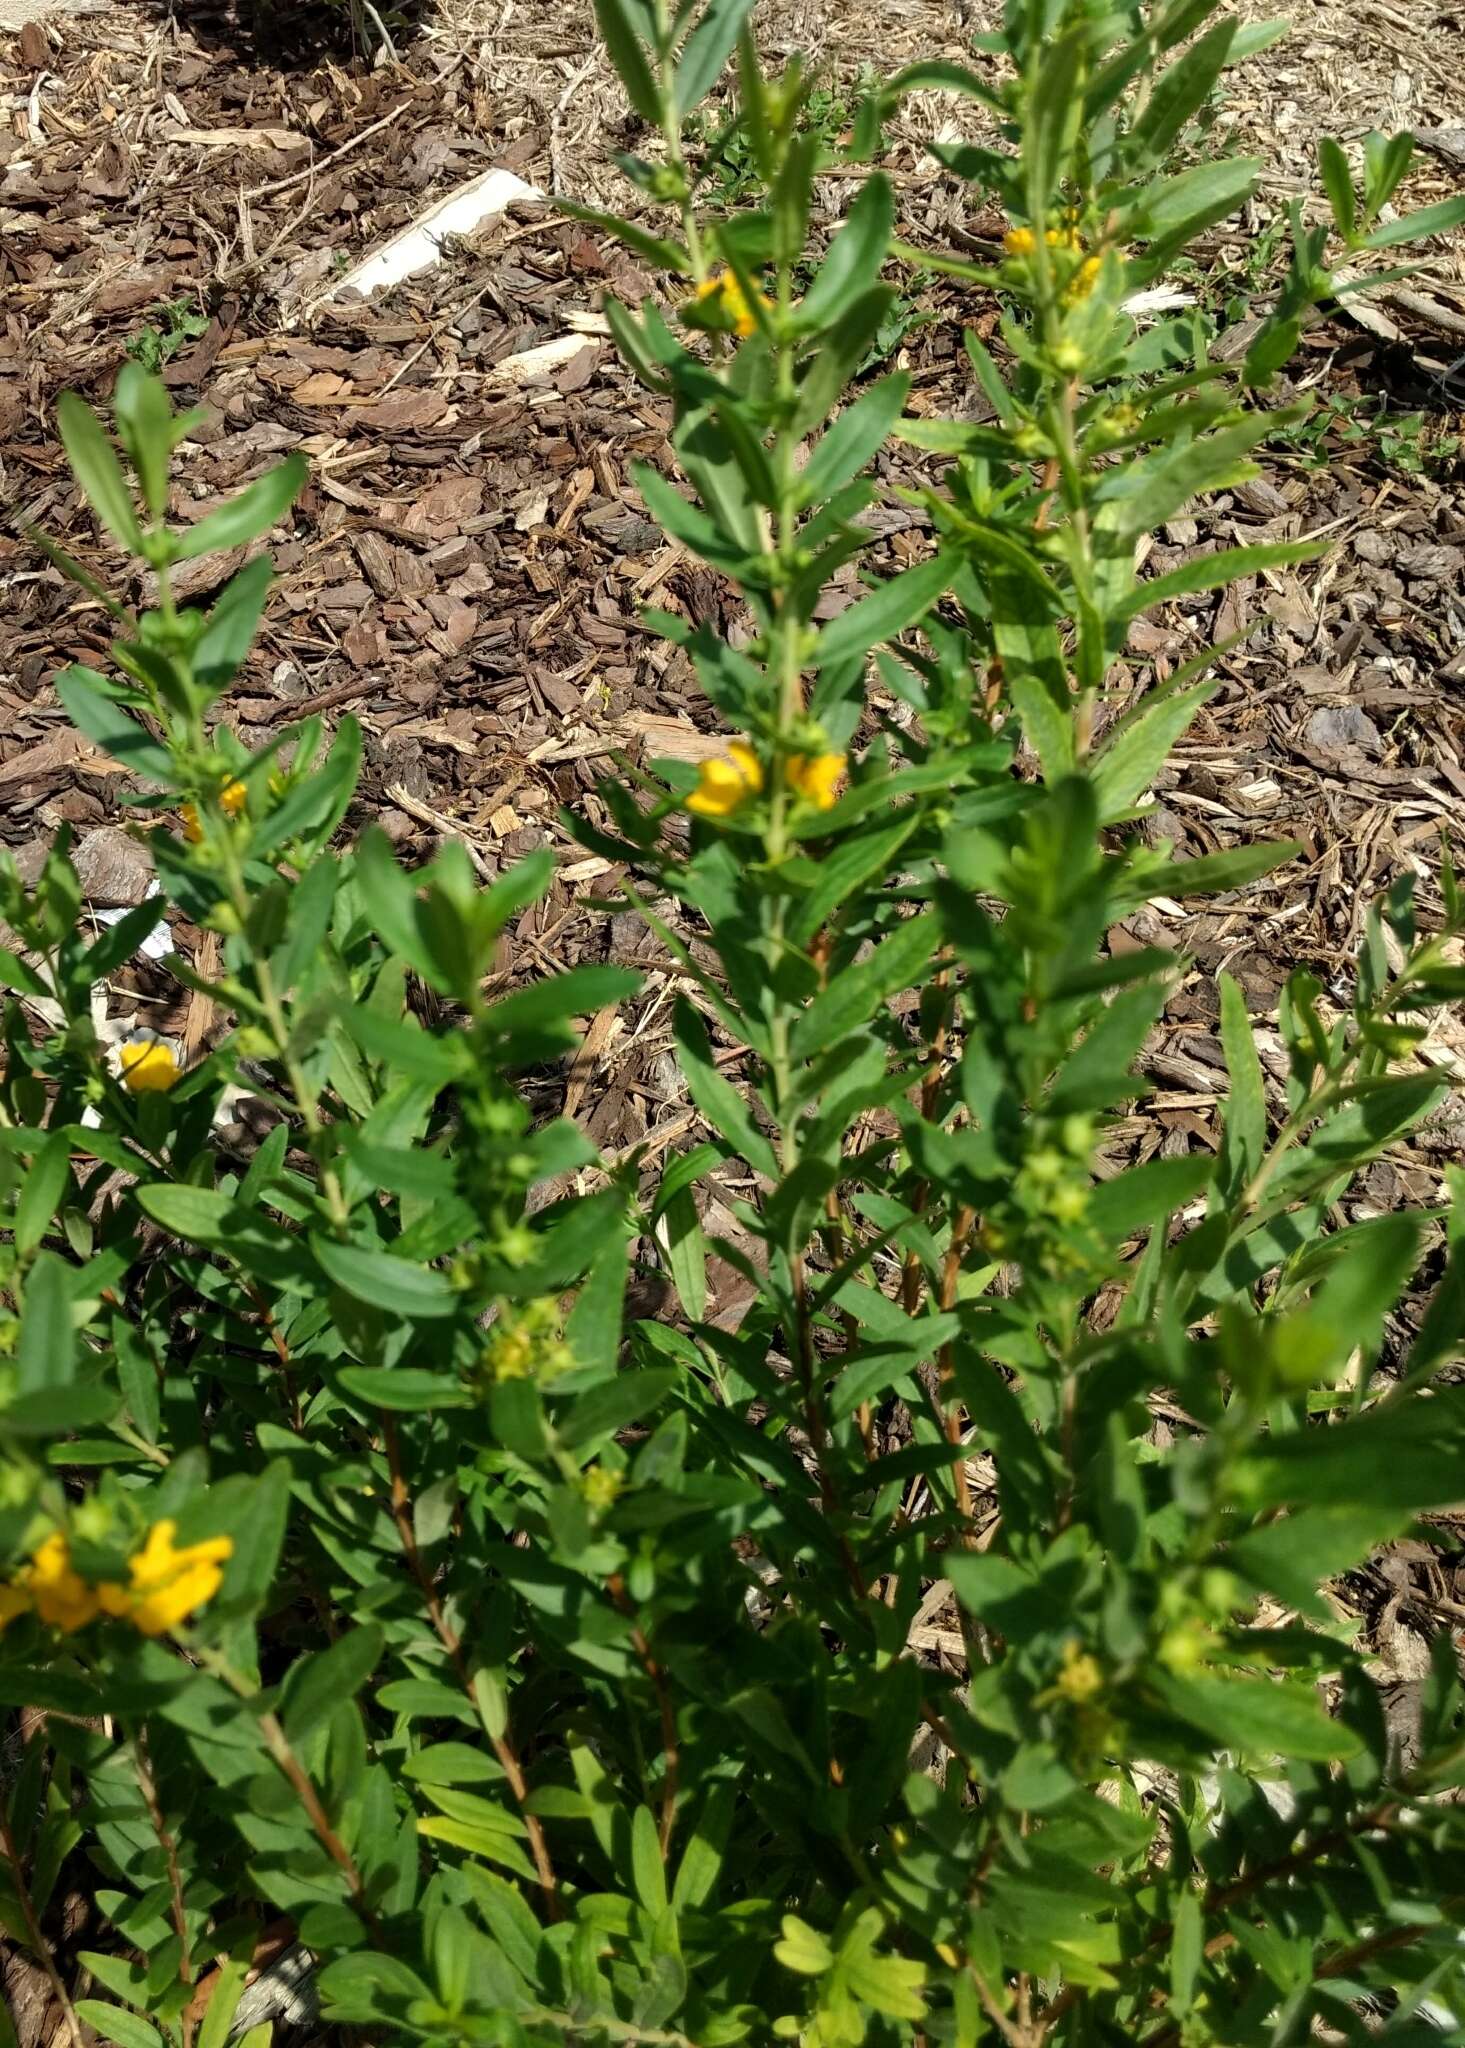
(95, 466)
(1187, 1947)
(1055, 107)
(1246, 1102)
(202, 1214)
(1129, 761)
(885, 612)
(679, 1233)
(625, 50)
(115, 2023)
(896, 963)
(404, 1389)
(1419, 226)
(226, 638)
(853, 441)
(88, 703)
(658, 249)
(703, 1854)
(41, 1191)
(223, 2003)
(648, 1872)
(721, 1103)
(145, 423)
(854, 259)
(45, 1351)
(706, 50)
(318, 1684)
(374, 1275)
(1259, 1716)
(842, 873)
(1210, 572)
(257, 508)
(1338, 183)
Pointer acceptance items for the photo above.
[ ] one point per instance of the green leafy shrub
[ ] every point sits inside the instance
(559, 1674)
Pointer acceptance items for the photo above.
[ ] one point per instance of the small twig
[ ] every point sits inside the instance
(43, 1950)
(448, 1636)
(319, 164)
(1011, 2032)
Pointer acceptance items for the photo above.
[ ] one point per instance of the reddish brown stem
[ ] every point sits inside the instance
(814, 1423)
(669, 1743)
(949, 1408)
(147, 1785)
(448, 1636)
(282, 1350)
(278, 1744)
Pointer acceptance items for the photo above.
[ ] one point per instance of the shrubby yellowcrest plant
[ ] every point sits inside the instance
(556, 1672)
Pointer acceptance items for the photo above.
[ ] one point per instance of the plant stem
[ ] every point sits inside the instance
(669, 1742)
(671, 136)
(147, 1785)
(452, 1642)
(274, 1010)
(278, 1745)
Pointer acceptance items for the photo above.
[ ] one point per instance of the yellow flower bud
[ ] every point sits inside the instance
(1019, 242)
(600, 1488)
(1082, 1677)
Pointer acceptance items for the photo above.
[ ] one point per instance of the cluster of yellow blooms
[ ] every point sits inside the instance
(165, 1586)
(725, 783)
(731, 301)
(232, 800)
(1021, 242)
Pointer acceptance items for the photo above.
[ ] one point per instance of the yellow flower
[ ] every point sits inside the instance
(148, 1066)
(167, 1583)
(232, 799)
(1019, 242)
(14, 1601)
(1084, 282)
(60, 1596)
(600, 1487)
(732, 302)
(724, 784)
(816, 778)
(1081, 1677)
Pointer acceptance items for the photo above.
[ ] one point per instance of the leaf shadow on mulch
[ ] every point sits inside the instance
(291, 35)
